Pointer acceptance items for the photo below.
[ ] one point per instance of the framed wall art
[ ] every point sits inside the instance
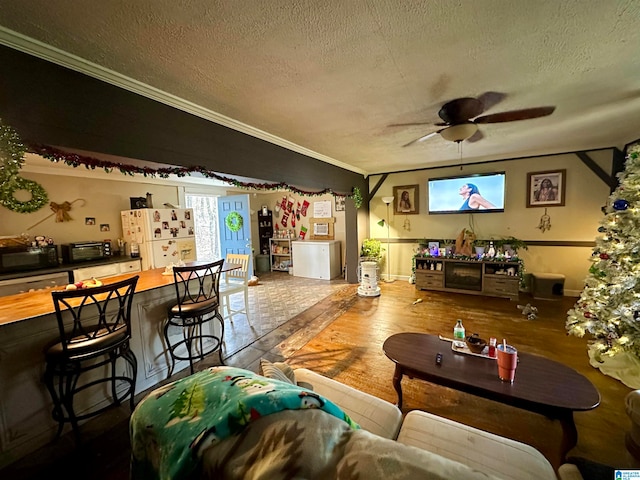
(340, 203)
(546, 189)
(406, 200)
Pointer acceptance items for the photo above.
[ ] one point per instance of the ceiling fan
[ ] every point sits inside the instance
(462, 116)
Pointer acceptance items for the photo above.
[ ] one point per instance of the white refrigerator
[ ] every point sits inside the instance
(164, 236)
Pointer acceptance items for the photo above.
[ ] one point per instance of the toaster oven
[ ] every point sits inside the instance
(85, 251)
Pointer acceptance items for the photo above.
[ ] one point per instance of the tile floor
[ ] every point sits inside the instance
(277, 298)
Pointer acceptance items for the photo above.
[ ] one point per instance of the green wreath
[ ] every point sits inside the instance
(234, 221)
(11, 159)
(39, 197)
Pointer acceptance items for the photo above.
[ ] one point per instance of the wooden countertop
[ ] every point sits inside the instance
(29, 305)
(25, 306)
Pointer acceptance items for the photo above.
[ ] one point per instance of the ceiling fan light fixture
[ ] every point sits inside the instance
(458, 133)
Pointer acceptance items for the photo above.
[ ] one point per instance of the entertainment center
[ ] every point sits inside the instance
(494, 278)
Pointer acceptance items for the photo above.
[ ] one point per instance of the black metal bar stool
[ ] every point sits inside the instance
(198, 293)
(94, 331)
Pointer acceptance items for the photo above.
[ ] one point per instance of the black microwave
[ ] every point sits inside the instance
(85, 251)
(24, 258)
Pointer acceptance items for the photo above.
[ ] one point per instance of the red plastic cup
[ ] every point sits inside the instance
(507, 361)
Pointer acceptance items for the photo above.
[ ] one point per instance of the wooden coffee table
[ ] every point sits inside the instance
(541, 385)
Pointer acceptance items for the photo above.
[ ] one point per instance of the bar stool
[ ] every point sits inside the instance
(94, 327)
(198, 301)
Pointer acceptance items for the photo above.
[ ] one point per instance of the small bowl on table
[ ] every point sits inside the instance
(475, 343)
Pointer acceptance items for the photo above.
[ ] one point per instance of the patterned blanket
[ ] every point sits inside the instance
(172, 427)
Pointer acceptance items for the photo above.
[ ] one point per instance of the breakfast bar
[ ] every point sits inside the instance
(28, 324)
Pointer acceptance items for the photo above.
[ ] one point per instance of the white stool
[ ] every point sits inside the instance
(547, 286)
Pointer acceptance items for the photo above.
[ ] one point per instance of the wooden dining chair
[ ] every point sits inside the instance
(235, 281)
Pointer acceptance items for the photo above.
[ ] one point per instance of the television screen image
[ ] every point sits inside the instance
(480, 193)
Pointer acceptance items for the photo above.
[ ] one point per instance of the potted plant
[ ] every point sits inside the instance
(447, 246)
(511, 245)
(479, 246)
(371, 250)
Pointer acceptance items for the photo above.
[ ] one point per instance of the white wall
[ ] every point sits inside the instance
(578, 220)
(270, 200)
(100, 195)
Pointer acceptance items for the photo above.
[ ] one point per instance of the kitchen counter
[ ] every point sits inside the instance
(28, 325)
(66, 267)
(30, 305)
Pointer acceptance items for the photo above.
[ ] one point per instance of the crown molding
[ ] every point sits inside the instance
(33, 47)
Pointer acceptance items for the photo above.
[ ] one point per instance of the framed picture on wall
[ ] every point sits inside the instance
(546, 189)
(340, 203)
(406, 199)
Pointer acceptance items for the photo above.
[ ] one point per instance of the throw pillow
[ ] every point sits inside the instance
(277, 370)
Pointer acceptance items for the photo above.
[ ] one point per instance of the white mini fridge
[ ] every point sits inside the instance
(164, 236)
(317, 259)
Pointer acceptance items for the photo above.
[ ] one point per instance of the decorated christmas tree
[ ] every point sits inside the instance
(609, 306)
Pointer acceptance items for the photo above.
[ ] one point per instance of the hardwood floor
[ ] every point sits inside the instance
(341, 337)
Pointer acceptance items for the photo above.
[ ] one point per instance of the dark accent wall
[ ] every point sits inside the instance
(50, 104)
(53, 105)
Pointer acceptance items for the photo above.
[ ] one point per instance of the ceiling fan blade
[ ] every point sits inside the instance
(515, 115)
(475, 137)
(423, 138)
(491, 99)
(409, 124)
(460, 110)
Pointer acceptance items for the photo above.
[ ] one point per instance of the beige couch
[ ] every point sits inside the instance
(230, 423)
(498, 456)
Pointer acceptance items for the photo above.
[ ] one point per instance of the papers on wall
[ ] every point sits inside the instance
(322, 209)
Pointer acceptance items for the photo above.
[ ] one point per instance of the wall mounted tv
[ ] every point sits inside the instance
(479, 193)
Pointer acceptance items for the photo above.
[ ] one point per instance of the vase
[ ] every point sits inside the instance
(479, 251)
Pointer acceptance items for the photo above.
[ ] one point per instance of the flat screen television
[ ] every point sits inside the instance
(478, 193)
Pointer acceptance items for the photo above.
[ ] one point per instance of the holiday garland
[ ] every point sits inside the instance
(75, 160)
(357, 197)
(12, 157)
(234, 221)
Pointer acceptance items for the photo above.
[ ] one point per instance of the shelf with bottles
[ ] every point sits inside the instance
(280, 254)
(265, 229)
(429, 263)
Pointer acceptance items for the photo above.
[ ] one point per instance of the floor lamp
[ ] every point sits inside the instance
(388, 201)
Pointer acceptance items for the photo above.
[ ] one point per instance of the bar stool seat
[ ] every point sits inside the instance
(94, 327)
(198, 301)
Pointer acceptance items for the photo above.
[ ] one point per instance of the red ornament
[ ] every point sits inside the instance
(604, 256)
(588, 315)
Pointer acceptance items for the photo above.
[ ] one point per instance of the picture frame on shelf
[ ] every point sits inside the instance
(546, 189)
(138, 202)
(406, 200)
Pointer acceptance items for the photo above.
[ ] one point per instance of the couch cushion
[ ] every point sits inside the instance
(278, 371)
(500, 456)
(313, 444)
(371, 413)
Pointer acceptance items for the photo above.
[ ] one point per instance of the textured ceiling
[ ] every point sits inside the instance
(330, 76)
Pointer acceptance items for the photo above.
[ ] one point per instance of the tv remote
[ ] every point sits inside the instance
(438, 359)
